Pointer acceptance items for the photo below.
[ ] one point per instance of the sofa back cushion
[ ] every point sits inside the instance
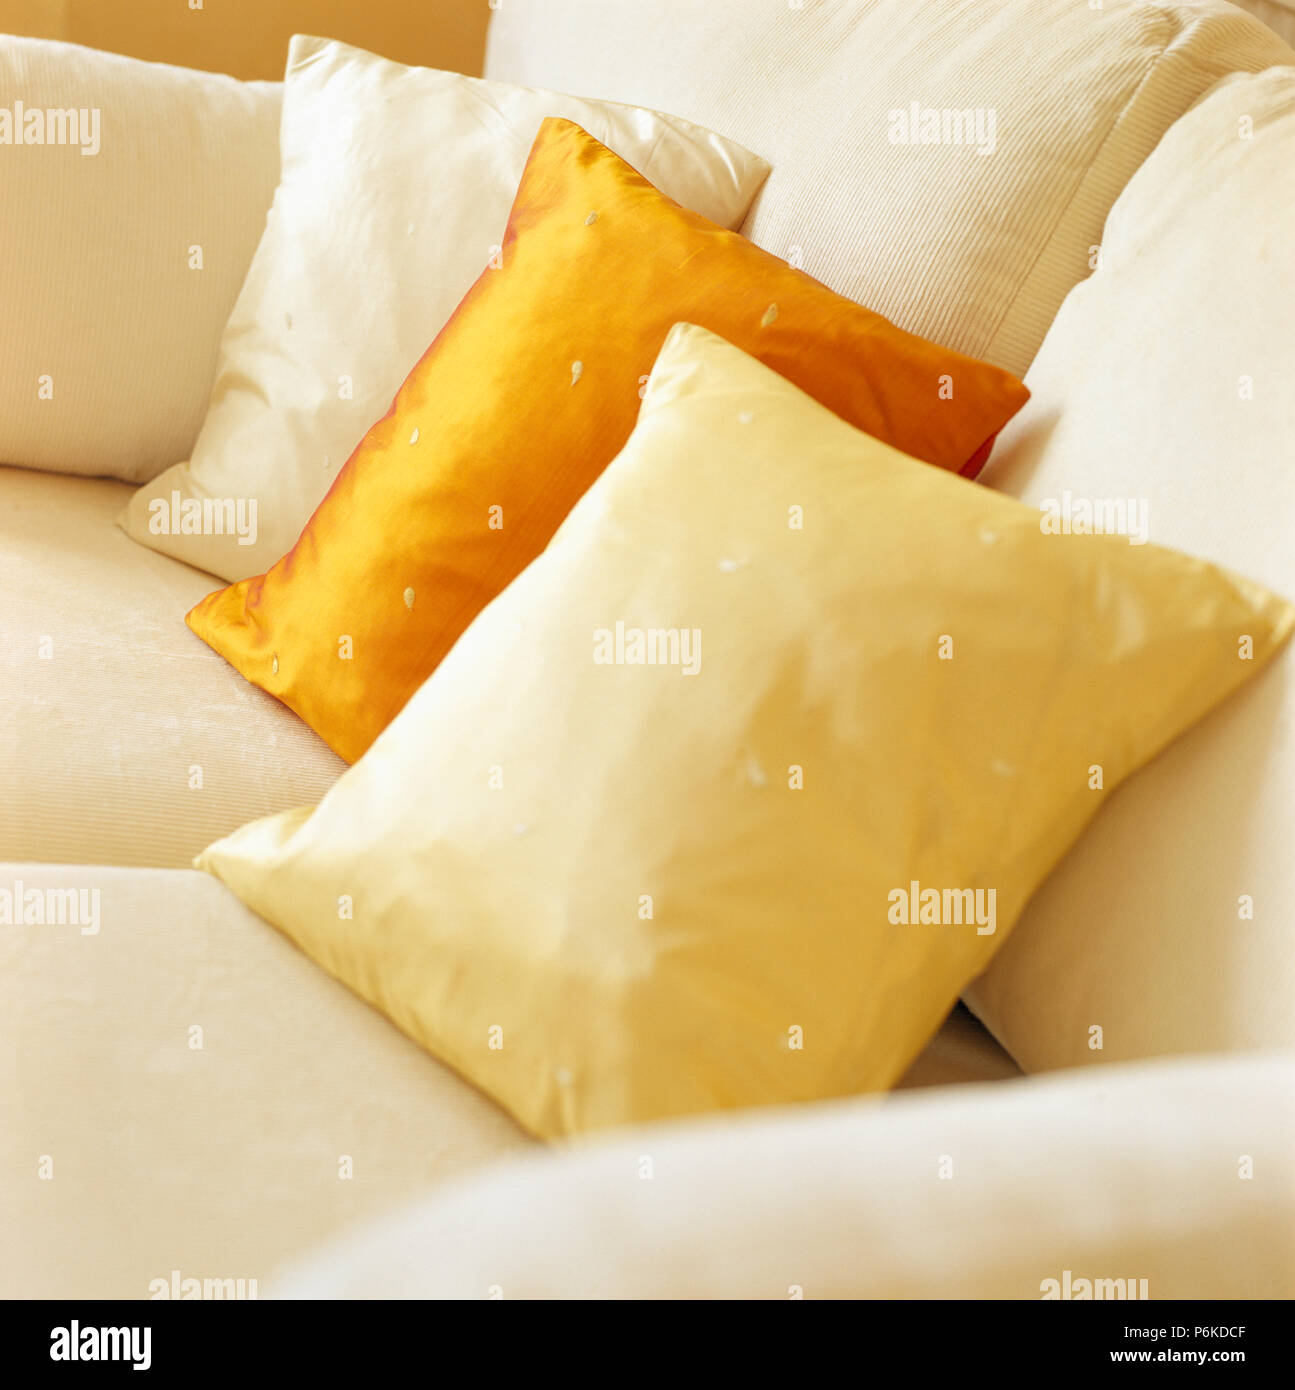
(133, 197)
(1165, 383)
(948, 165)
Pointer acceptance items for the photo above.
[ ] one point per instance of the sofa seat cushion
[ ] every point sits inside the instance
(208, 1100)
(200, 1092)
(947, 164)
(123, 738)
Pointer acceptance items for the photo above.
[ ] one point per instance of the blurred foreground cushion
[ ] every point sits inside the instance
(948, 164)
(1156, 1180)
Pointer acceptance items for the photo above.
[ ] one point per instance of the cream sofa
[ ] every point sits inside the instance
(307, 1145)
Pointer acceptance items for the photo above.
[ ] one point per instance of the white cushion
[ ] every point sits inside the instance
(109, 330)
(966, 1192)
(973, 251)
(396, 187)
(111, 710)
(1167, 377)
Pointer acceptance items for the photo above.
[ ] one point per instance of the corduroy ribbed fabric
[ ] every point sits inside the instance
(974, 251)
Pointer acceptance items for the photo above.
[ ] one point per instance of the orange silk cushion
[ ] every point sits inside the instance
(520, 403)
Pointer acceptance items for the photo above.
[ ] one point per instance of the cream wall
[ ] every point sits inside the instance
(250, 37)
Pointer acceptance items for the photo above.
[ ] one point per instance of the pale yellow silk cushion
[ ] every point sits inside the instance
(610, 892)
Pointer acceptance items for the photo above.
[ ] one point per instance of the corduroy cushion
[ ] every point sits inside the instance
(975, 251)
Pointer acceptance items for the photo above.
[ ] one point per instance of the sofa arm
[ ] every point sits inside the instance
(1174, 1178)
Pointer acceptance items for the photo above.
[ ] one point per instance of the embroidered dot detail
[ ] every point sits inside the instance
(562, 1076)
(591, 219)
(521, 828)
(274, 665)
(746, 417)
(577, 371)
(755, 773)
(413, 438)
(728, 565)
(770, 316)
(989, 537)
(409, 598)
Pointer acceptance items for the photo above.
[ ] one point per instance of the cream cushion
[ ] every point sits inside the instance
(396, 187)
(98, 278)
(218, 1160)
(111, 710)
(1134, 1175)
(1168, 377)
(222, 1161)
(975, 252)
